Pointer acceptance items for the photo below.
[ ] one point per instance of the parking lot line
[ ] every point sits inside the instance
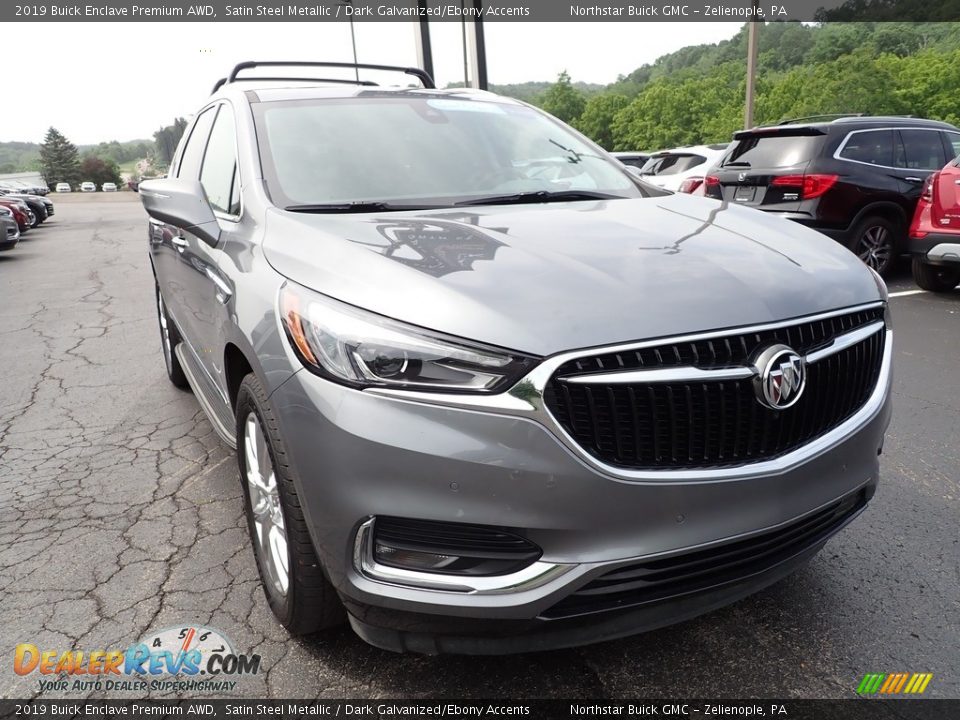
(902, 293)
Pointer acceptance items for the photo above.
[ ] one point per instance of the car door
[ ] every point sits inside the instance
(917, 153)
(167, 242)
(207, 287)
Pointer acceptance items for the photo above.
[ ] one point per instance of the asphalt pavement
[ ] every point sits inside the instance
(121, 514)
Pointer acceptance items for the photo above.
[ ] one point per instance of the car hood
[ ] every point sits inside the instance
(547, 278)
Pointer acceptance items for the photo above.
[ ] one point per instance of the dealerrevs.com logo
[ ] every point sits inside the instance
(181, 659)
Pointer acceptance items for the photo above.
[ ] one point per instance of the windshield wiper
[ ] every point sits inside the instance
(541, 196)
(358, 206)
(736, 164)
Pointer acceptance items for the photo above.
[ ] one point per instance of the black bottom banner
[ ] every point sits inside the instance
(853, 709)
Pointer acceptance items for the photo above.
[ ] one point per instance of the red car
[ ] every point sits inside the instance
(21, 213)
(935, 231)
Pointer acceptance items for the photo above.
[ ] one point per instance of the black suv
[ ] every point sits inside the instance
(854, 178)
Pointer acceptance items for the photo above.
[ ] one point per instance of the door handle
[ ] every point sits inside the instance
(179, 242)
(913, 179)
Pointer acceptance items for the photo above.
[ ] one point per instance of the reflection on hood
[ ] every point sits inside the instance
(437, 247)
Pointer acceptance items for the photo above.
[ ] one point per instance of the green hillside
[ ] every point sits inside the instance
(24, 156)
(697, 94)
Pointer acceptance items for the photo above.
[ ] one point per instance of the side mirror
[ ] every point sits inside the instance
(183, 204)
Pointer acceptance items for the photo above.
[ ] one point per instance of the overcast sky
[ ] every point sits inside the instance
(119, 81)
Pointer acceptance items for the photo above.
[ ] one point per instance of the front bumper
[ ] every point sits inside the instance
(362, 454)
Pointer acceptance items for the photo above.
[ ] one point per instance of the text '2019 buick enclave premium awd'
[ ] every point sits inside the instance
(489, 392)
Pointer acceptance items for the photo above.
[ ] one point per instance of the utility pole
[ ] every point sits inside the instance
(753, 30)
(422, 34)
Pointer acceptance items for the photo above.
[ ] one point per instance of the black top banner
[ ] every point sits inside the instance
(499, 709)
(486, 10)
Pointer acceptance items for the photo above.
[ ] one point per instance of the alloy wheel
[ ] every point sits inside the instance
(271, 545)
(875, 248)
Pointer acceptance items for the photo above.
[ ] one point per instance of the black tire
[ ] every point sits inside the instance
(169, 339)
(875, 240)
(935, 278)
(309, 602)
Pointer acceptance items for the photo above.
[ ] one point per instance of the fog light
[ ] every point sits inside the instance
(445, 548)
(411, 559)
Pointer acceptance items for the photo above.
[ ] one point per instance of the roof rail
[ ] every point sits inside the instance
(338, 81)
(829, 116)
(893, 117)
(421, 75)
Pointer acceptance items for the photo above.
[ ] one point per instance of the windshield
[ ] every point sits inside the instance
(672, 164)
(772, 151)
(423, 151)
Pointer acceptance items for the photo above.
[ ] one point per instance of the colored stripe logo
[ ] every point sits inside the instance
(894, 683)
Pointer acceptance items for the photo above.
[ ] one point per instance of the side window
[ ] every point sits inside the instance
(922, 150)
(874, 147)
(219, 171)
(189, 167)
(953, 143)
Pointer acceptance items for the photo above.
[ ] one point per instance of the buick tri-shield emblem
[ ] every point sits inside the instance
(781, 377)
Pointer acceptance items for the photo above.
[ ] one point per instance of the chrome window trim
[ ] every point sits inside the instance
(221, 214)
(843, 144)
(525, 400)
(533, 576)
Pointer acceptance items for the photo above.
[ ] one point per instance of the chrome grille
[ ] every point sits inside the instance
(701, 422)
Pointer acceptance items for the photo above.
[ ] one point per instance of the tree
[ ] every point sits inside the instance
(688, 111)
(59, 159)
(100, 171)
(167, 138)
(596, 121)
(562, 100)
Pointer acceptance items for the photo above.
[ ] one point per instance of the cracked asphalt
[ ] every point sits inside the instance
(121, 513)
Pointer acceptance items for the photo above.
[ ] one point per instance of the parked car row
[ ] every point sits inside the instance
(63, 187)
(19, 213)
(864, 181)
(24, 187)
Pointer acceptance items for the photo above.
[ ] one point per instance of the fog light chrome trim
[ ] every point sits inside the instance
(533, 576)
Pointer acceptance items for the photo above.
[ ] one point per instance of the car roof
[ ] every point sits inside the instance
(846, 122)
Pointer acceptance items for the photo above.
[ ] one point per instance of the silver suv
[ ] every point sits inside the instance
(490, 392)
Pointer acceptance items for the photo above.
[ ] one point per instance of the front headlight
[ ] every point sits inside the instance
(354, 347)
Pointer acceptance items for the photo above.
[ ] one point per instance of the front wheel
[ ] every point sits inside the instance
(297, 591)
(935, 278)
(169, 339)
(874, 241)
